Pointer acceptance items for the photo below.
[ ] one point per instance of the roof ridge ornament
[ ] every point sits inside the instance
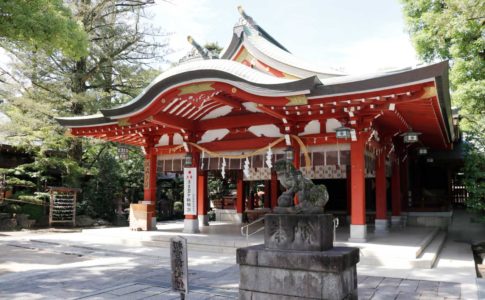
(203, 51)
(249, 20)
(197, 52)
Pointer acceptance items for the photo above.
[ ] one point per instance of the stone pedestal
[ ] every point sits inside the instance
(381, 226)
(142, 217)
(358, 233)
(191, 226)
(298, 261)
(396, 222)
(203, 220)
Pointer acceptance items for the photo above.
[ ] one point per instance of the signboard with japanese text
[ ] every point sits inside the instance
(178, 259)
(190, 191)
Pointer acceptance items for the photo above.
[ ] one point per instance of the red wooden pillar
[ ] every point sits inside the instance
(150, 188)
(274, 189)
(381, 199)
(396, 192)
(241, 197)
(358, 227)
(150, 180)
(202, 200)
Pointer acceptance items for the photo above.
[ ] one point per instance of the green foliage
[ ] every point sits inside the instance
(216, 188)
(455, 30)
(42, 24)
(19, 182)
(42, 83)
(13, 208)
(474, 172)
(110, 181)
(102, 192)
(214, 48)
(35, 212)
(178, 206)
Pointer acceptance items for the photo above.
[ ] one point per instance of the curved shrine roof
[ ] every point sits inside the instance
(258, 82)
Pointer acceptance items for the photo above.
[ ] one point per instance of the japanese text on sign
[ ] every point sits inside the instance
(190, 191)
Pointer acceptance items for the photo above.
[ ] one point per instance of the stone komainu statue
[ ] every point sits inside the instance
(311, 198)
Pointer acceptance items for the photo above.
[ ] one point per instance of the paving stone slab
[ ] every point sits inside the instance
(129, 289)
(390, 282)
(407, 296)
(407, 285)
(370, 282)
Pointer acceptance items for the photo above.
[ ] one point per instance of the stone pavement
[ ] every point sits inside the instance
(31, 269)
(369, 288)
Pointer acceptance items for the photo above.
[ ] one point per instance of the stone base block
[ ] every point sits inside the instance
(276, 274)
(358, 234)
(239, 218)
(227, 215)
(396, 222)
(191, 226)
(252, 295)
(430, 219)
(381, 226)
(301, 232)
(203, 220)
(141, 216)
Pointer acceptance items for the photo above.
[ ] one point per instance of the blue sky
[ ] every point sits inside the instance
(357, 36)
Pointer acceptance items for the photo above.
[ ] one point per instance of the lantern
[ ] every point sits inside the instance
(422, 150)
(342, 132)
(410, 137)
(188, 159)
(123, 152)
(289, 154)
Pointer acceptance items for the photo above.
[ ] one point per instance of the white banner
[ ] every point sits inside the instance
(190, 191)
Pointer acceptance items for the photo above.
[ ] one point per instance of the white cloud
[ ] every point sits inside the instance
(377, 54)
(182, 18)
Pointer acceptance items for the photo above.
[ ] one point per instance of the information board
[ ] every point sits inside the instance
(190, 191)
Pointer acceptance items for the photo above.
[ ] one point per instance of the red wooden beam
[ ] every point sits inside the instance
(228, 101)
(236, 121)
(274, 113)
(241, 144)
(171, 121)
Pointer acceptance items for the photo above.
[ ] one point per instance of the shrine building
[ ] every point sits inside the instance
(383, 143)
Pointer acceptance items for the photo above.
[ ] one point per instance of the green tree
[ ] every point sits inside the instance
(123, 51)
(42, 24)
(214, 48)
(455, 30)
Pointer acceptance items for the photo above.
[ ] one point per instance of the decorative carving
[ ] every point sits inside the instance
(123, 122)
(429, 91)
(146, 177)
(312, 198)
(196, 88)
(278, 233)
(297, 100)
(304, 232)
